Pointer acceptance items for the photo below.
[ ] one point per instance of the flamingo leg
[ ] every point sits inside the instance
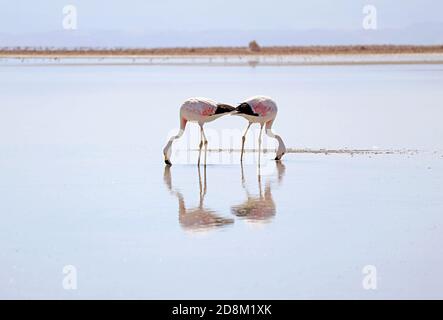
(205, 143)
(205, 185)
(243, 181)
(259, 183)
(201, 144)
(243, 138)
(200, 187)
(259, 143)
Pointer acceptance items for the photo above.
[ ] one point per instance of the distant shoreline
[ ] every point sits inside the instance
(224, 56)
(220, 51)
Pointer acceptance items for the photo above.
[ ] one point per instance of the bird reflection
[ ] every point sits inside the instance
(199, 218)
(261, 207)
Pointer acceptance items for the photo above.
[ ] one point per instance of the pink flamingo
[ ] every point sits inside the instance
(262, 110)
(200, 110)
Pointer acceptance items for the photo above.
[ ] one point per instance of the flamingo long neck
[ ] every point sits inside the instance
(167, 148)
(281, 144)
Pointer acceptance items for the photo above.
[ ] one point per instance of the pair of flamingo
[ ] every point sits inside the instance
(258, 109)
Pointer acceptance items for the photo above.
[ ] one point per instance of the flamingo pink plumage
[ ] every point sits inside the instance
(200, 110)
(262, 110)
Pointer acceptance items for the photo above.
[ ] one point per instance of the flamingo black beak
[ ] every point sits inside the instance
(168, 163)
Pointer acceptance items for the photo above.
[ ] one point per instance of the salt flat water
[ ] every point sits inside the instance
(83, 183)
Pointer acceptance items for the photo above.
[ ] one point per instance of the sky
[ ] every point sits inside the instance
(20, 17)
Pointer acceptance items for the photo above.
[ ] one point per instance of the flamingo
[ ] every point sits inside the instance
(200, 110)
(199, 218)
(262, 110)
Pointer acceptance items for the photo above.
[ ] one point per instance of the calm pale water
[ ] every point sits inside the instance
(82, 183)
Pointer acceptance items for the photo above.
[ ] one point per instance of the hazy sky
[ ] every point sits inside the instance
(20, 16)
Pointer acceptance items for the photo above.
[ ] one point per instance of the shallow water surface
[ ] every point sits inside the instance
(83, 184)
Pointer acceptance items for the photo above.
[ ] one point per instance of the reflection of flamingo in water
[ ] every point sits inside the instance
(199, 218)
(259, 208)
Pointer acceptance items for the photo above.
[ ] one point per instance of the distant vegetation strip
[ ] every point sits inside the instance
(223, 51)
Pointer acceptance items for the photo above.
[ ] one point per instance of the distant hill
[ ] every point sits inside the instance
(424, 34)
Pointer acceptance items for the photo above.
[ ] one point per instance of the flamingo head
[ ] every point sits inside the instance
(281, 149)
